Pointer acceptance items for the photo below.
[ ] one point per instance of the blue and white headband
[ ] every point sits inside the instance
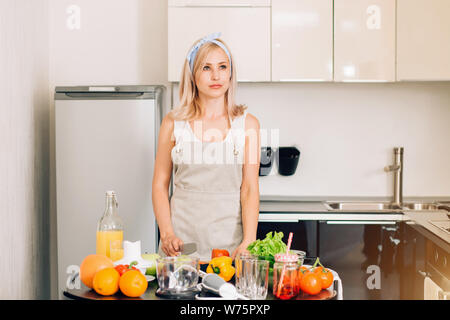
(210, 38)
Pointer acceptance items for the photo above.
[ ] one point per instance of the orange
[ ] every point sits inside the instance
(91, 265)
(133, 283)
(106, 281)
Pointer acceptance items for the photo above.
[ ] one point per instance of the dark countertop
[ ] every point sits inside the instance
(84, 293)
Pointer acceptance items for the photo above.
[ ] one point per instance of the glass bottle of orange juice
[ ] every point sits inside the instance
(110, 230)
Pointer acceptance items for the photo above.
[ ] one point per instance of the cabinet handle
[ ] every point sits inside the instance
(224, 5)
(280, 220)
(104, 94)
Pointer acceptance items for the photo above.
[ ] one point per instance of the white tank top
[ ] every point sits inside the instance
(189, 149)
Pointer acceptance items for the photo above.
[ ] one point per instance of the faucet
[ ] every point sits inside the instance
(397, 168)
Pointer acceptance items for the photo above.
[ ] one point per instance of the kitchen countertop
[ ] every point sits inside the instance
(315, 203)
(295, 208)
(347, 198)
(292, 206)
(421, 222)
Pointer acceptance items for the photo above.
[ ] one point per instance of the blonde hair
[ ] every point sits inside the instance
(189, 107)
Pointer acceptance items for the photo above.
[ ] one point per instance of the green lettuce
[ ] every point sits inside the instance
(268, 247)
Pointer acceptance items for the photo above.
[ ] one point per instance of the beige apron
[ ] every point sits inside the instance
(206, 204)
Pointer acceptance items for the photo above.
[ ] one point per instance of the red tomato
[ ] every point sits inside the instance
(311, 283)
(301, 271)
(325, 275)
(219, 253)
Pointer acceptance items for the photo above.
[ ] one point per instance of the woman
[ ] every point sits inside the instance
(213, 147)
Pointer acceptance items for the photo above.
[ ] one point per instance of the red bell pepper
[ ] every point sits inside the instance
(122, 268)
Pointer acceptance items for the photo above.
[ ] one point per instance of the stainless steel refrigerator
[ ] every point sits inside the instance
(106, 139)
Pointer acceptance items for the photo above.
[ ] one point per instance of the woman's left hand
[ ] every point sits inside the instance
(242, 248)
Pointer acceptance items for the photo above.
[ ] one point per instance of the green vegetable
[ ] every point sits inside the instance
(151, 271)
(268, 247)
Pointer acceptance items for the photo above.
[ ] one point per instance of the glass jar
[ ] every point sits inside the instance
(301, 256)
(285, 273)
(177, 274)
(110, 230)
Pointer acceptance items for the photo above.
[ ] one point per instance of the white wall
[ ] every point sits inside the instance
(24, 150)
(346, 133)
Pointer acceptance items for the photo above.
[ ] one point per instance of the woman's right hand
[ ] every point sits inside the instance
(171, 245)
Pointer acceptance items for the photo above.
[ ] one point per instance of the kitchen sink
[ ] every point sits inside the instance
(421, 206)
(362, 206)
(383, 206)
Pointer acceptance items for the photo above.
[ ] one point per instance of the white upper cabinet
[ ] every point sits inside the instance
(245, 28)
(423, 40)
(364, 40)
(302, 40)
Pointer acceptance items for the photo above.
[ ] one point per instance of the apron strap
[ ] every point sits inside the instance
(178, 132)
(238, 133)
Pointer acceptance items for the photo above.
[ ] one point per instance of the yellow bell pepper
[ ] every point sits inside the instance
(221, 266)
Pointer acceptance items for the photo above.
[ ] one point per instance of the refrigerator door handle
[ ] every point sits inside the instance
(90, 95)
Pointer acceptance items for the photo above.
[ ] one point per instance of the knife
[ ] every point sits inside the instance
(188, 248)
